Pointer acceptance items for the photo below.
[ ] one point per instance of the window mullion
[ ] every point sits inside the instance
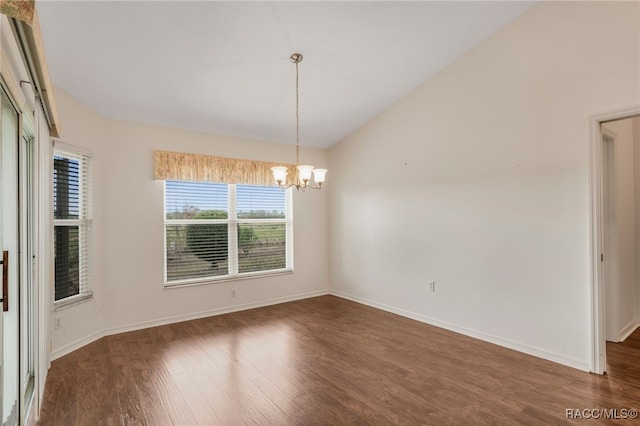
(289, 228)
(68, 222)
(233, 231)
(195, 221)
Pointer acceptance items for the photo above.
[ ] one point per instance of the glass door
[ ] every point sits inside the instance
(9, 243)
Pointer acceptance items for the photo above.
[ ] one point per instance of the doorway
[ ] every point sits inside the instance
(615, 175)
(621, 214)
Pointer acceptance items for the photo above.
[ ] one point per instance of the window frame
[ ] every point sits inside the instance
(232, 221)
(84, 222)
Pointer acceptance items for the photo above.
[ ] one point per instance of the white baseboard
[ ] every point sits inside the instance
(628, 330)
(500, 341)
(179, 318)
(66, 349)
(211, 312)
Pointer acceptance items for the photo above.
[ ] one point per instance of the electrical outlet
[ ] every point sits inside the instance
(232, 293)
(432, 286)
(57, 322)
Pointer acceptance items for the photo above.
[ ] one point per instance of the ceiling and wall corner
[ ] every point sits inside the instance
(478, 180)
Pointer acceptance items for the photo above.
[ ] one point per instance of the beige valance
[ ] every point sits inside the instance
(207, 168)
(18, 9)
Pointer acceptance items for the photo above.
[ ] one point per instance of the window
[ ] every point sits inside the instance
(221, 231)
(72, 224)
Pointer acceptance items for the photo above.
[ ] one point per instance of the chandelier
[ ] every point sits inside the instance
(303, 171)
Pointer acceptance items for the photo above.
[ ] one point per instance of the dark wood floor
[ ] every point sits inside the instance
(323, 361)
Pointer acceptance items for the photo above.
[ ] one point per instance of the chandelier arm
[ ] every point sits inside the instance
(300, 187)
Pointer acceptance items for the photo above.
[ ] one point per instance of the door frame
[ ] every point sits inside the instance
(610, 270)
(28, 255)
(596, 172)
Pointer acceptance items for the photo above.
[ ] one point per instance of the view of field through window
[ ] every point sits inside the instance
(198, 225)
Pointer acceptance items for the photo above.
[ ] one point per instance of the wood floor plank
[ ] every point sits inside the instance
(131, 408)
(224, 408)
(96, 388)
(196, 399)
(160, 404)
(61, 382)
(323, 361)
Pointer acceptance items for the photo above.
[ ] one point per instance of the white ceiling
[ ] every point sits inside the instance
(223, 67)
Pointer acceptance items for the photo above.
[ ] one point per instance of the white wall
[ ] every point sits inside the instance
(636, 147)
(621, 295)
(479, 180)
(128, 240)
(133, 210)
(83, 128)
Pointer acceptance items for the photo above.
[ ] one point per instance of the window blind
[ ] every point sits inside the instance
(196, 231)
(216, 230)
(72, 223)
(262, 228)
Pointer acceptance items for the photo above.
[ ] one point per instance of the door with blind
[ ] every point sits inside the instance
(17, 241)
(9, 243)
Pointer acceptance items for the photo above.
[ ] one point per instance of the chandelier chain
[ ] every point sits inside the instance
(297, 118)
(305, 174)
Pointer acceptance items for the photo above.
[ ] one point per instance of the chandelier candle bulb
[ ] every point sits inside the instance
(279, 174)
(319, 175)
(304, 171)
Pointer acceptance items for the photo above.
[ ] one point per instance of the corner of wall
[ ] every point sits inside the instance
(636, 150)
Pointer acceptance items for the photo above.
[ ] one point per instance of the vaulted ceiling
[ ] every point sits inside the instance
(223, 67)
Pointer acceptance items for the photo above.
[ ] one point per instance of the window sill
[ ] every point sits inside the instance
(210, 280)
(71, 301)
